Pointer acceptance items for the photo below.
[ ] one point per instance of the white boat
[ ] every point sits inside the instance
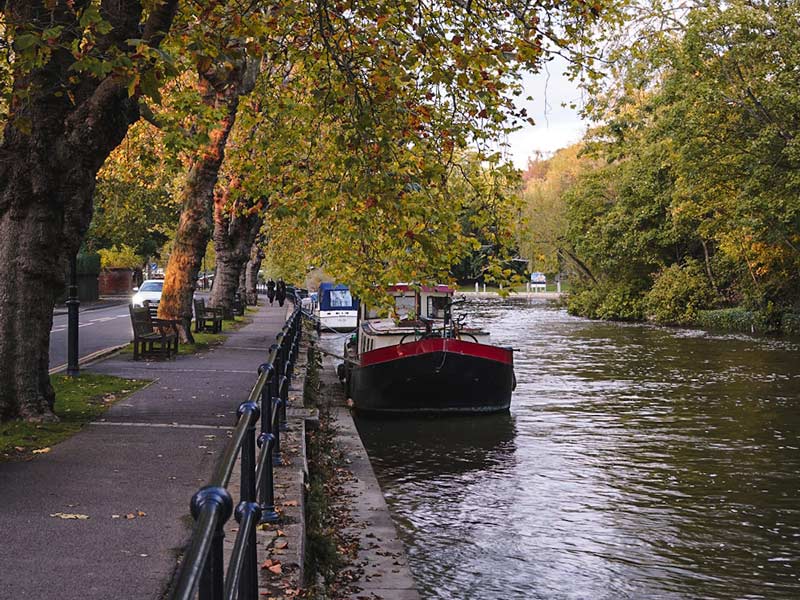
(337, 310)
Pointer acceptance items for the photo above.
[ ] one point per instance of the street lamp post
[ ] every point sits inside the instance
(72, 319)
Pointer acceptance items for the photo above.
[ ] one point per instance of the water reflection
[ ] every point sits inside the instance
(638, 462)
(436, 446)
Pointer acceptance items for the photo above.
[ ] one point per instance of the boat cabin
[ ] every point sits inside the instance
(417, 312)
(337, 309)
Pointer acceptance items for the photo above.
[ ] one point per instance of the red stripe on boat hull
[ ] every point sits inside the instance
(426, 346)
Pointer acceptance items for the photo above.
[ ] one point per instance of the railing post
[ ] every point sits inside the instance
(212, 578)
(298, 333)
(269, 368)
(276, 430)
(248, 507)
(267, 495)
(266, 441)
(284, 347)
(278, 364)
(283, 394)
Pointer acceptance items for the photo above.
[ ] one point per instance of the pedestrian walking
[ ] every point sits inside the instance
(280, 292)
(271, 290)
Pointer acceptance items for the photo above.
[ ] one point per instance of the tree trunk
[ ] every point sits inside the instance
(235, 230)
(709, 272)
(251, 274)
(33, 276)
(242, 290)
(60, 128)
(194, 227)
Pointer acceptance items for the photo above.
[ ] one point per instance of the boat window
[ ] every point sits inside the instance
(341, 299)
(405, 306)
(437, 306)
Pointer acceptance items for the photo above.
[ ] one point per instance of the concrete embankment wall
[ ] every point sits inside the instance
(381, 559)
(379, 565)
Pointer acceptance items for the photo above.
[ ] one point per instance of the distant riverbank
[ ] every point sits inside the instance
(550, 296)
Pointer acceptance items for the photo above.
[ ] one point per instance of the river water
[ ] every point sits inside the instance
(636, 462)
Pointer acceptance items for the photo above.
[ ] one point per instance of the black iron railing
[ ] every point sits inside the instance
(202, 572)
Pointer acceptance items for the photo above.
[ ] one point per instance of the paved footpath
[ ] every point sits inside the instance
(144, 459)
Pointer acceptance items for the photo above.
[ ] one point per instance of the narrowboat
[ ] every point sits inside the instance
(423, 360)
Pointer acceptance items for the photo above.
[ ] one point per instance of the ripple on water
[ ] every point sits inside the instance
(637, 462)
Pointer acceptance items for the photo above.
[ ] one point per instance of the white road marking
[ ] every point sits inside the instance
(164, 425)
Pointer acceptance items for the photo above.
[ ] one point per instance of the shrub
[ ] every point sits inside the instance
(123, 258)
(790, 324)
(614, 302)
(678, 293)
(732, 319)
(87, 263)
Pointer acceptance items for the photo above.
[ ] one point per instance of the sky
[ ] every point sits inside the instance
(556, 126)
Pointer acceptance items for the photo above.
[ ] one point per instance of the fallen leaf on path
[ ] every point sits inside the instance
(61, 515)
(290, 503)
(276, 569)
(42, 451)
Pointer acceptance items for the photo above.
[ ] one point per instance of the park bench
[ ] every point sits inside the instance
(238, 305)
(206, 317)
(152, 337)
(152, 308)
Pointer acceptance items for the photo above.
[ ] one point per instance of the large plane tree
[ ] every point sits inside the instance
(74, 72)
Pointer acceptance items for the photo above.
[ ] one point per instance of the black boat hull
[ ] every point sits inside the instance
(434, 377)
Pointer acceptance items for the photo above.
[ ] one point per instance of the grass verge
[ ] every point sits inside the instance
(204, 340)
(78, 401)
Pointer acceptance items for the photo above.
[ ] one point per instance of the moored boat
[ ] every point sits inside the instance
(423, 360)
(337, 309)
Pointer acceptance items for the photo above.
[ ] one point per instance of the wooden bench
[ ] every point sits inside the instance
(206, 317)
(152, 308)
(152, 337)
(238, 305)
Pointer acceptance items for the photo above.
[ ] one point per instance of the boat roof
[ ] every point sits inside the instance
(343, 301)
(327, 285)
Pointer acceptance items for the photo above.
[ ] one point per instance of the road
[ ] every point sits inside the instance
(99, 329)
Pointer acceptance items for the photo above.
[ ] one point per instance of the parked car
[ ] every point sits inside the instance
(149, 290)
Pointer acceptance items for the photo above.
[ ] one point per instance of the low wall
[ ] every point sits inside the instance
(115, 282)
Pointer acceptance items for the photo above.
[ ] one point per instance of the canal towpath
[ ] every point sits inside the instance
(105, 513)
